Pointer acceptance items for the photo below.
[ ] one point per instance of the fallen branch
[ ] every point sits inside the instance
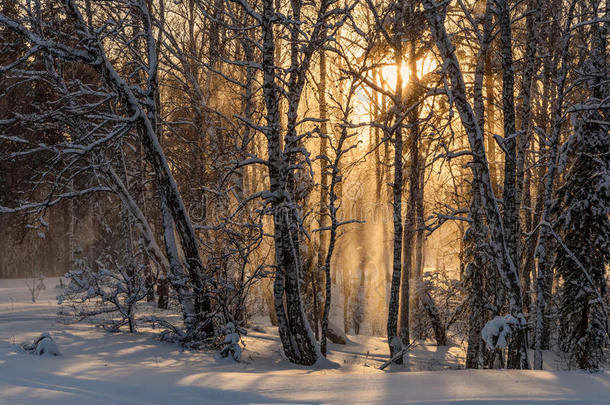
(398, 355)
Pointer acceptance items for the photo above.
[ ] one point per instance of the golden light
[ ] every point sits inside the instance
(425, 65)
(389, 76)
(389, 73)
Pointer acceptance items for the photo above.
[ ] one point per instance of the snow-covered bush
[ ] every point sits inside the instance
(43, 345)
(109, 288)
(231, 342)
(497, 332)
(106, 286)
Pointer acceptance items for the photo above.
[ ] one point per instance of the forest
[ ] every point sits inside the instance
(415, 170)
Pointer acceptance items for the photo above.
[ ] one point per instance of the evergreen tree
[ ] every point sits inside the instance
(582, 207)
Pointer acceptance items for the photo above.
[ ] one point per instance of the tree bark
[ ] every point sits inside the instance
(542, 250)
(502, 258)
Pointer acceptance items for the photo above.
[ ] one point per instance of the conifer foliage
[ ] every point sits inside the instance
(583, 228)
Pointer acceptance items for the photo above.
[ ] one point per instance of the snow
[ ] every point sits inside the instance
(97, 367)
(231, 341)
(47, 347)
(495, 333)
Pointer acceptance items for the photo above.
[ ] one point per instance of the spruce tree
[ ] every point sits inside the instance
(582, 207)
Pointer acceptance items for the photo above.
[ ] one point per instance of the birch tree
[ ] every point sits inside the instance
(504, 264)
(141, 114)
(308, 28)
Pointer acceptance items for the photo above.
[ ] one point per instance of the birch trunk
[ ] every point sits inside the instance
(296, 336)
(323, 186)
(532, 24)
(502, 258)
(543, 248)
(398, 289)
(476, 235)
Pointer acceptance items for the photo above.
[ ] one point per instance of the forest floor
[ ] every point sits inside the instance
(97, 367)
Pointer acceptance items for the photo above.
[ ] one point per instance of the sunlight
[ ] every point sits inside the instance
(386, 77)
(389, 76)
(389, 73)
(425, 65)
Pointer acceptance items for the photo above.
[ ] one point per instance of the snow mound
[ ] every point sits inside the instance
(496, 332)
(43, 345)
(48, 347)
(231, 341)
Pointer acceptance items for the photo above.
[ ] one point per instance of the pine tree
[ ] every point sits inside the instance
(583, 227)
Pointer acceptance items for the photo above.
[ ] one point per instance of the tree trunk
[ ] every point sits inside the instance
(475, 237)
(542, 251)
(502, 258)
(394, 343)
(295, 334)
(323, 177)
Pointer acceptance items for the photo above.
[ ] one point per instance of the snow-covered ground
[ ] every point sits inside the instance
(97, 367)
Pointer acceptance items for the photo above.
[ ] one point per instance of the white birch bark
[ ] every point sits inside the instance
(502, 259)
(542, 250)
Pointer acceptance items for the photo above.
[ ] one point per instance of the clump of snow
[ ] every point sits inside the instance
(323, 363)
(231, 342)
(48, 347)
(496, 332)
(43, 345)
(16, 348)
